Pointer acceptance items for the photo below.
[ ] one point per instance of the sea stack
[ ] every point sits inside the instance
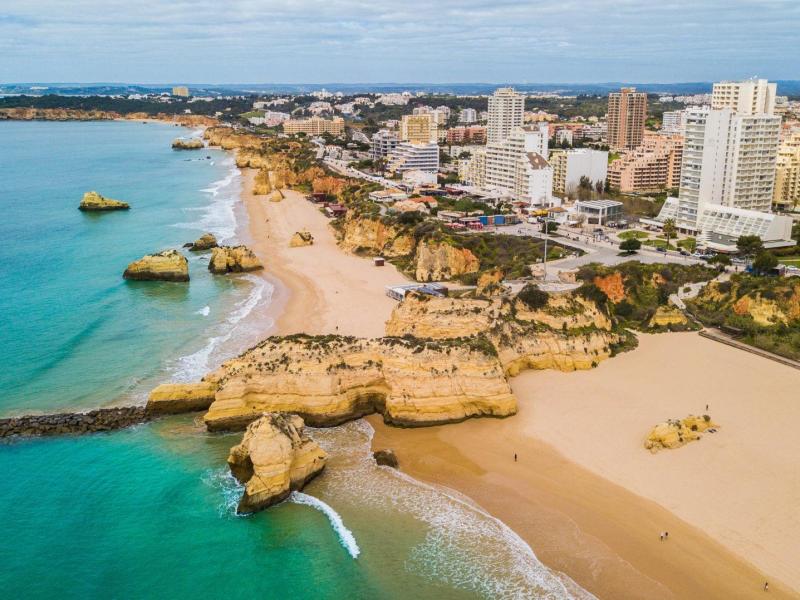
(274, 458)
(204, 242)
(301, 238)
(92, 201)
(169, 265)
(190, 144)
(233, 259)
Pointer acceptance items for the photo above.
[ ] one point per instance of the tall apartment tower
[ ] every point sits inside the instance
(729, 157)
(418, 129)
(506, 110)
(749, 97)
(627, 112)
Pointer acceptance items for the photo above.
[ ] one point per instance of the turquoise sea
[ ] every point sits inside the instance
(148, 512)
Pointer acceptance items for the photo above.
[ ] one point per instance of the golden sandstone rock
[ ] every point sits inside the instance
(490, 283)
(442, 262)
(174, 398)
(612, 286)
(92, 201)
(301, 238)
(373, 236)
(233, 259)
(275, 196)
(675, 433)
(190, 144)
(204, 242)
(666, 316)
(169, 265)
(274, 458)
(331, 379)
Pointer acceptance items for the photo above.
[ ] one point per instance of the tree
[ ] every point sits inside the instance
(630, 246)
(549, 227)
(749, 245)
(599, 186)
(765, 262)
(669, 230)
(720, 259)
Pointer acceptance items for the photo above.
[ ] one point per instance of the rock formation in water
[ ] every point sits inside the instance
(274, 458)
(386, 458)
(169, 265)
(328, 380)
(56, 114)
(102, 419)
(175, 398)
(190, 144)
(92, 201)
(207, 241)
(301, 238)
(233, 259)
(675, 433)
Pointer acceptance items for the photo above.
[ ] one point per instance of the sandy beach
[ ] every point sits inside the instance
(584, 493)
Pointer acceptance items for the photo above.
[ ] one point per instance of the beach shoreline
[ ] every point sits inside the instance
(599, 533)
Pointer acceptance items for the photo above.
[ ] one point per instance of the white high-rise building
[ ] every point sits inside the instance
(673, 121)
(414, 157)
(468, 115)
(518, 165)
(506, 111)
(383, 143)
(749, 97)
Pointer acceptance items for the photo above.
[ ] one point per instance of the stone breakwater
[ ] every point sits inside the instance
(103, 419)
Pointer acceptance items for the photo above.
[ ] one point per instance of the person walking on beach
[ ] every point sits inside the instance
(515, 457)
(766, 586)
(666, 535)
(661, 536)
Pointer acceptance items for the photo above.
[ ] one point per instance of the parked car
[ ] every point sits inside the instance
(661, 249)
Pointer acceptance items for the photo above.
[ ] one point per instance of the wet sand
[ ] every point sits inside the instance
(602, 535)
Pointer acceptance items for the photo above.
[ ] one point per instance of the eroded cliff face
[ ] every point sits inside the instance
(169, 265)
(227, 139)
(568, 333)
(442, 262)
(94, 202)
(331, 379)
(274, 458)
(361, 235)
(233, 259)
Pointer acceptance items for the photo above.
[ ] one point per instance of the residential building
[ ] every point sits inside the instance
(468, 115)
(518, 165)
(418, 129)
(655, 166)
(506, 109)
(627, 112)
(180, 90)
(569, 166)
(673, 122)
(786, 195)
(383, 143)
(473, 170)
(474, 134)
(749, 97)
(408, 156)
(270, 118)
(314, 126)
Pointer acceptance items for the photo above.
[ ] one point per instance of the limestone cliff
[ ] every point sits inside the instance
(169, 265)
(175, 398)
(373, 236)
(92, 201)
(331, 379)
(667, 316)
(274, 458)
(490, 283)
(675, 433)
(442, 262)
(233, 259)
(184, 144)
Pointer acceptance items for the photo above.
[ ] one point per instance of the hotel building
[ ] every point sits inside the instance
(627, 112)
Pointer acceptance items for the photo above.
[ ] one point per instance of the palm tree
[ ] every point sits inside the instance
(669, 230)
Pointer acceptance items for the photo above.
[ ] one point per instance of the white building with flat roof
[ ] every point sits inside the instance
(468, 115)
(414, 157)
(569, 166)
(748, 97)
(506, 111)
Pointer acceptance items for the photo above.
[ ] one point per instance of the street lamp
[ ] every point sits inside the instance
(547, 221)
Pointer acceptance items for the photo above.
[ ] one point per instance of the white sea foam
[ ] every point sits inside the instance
(204, 311)
(346, 536)
(230, 489)
(195, 365)
(463, 546)
(219, 216)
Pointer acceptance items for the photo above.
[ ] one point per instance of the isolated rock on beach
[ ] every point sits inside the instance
(92, 201)
(204, 242)
(190, 144)
(233, 259)
(175, 398)
(275, 196)
(386, 457)
(301, 238)
(169, 265)
(675, 433)
(274, 458)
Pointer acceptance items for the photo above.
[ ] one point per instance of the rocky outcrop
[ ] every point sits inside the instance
(104, 419)
(169, 265)
(233, 259)
(667, 316)
(275, 196)
(331, 379)
(207, 241)
(612, 286)
(175, 398)
(274, 458)
(425, 316)
(190, 144)
(490, 283)
(56, 114)
(674, 433)
(92, 201)
(442, 262)
(386, 458)
(374, 237)
(301, 238)
(228, 139)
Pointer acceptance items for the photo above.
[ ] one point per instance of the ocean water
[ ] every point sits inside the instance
(149, 512)
(75, 334)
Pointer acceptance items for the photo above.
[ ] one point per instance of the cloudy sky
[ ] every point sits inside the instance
(347, 41)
